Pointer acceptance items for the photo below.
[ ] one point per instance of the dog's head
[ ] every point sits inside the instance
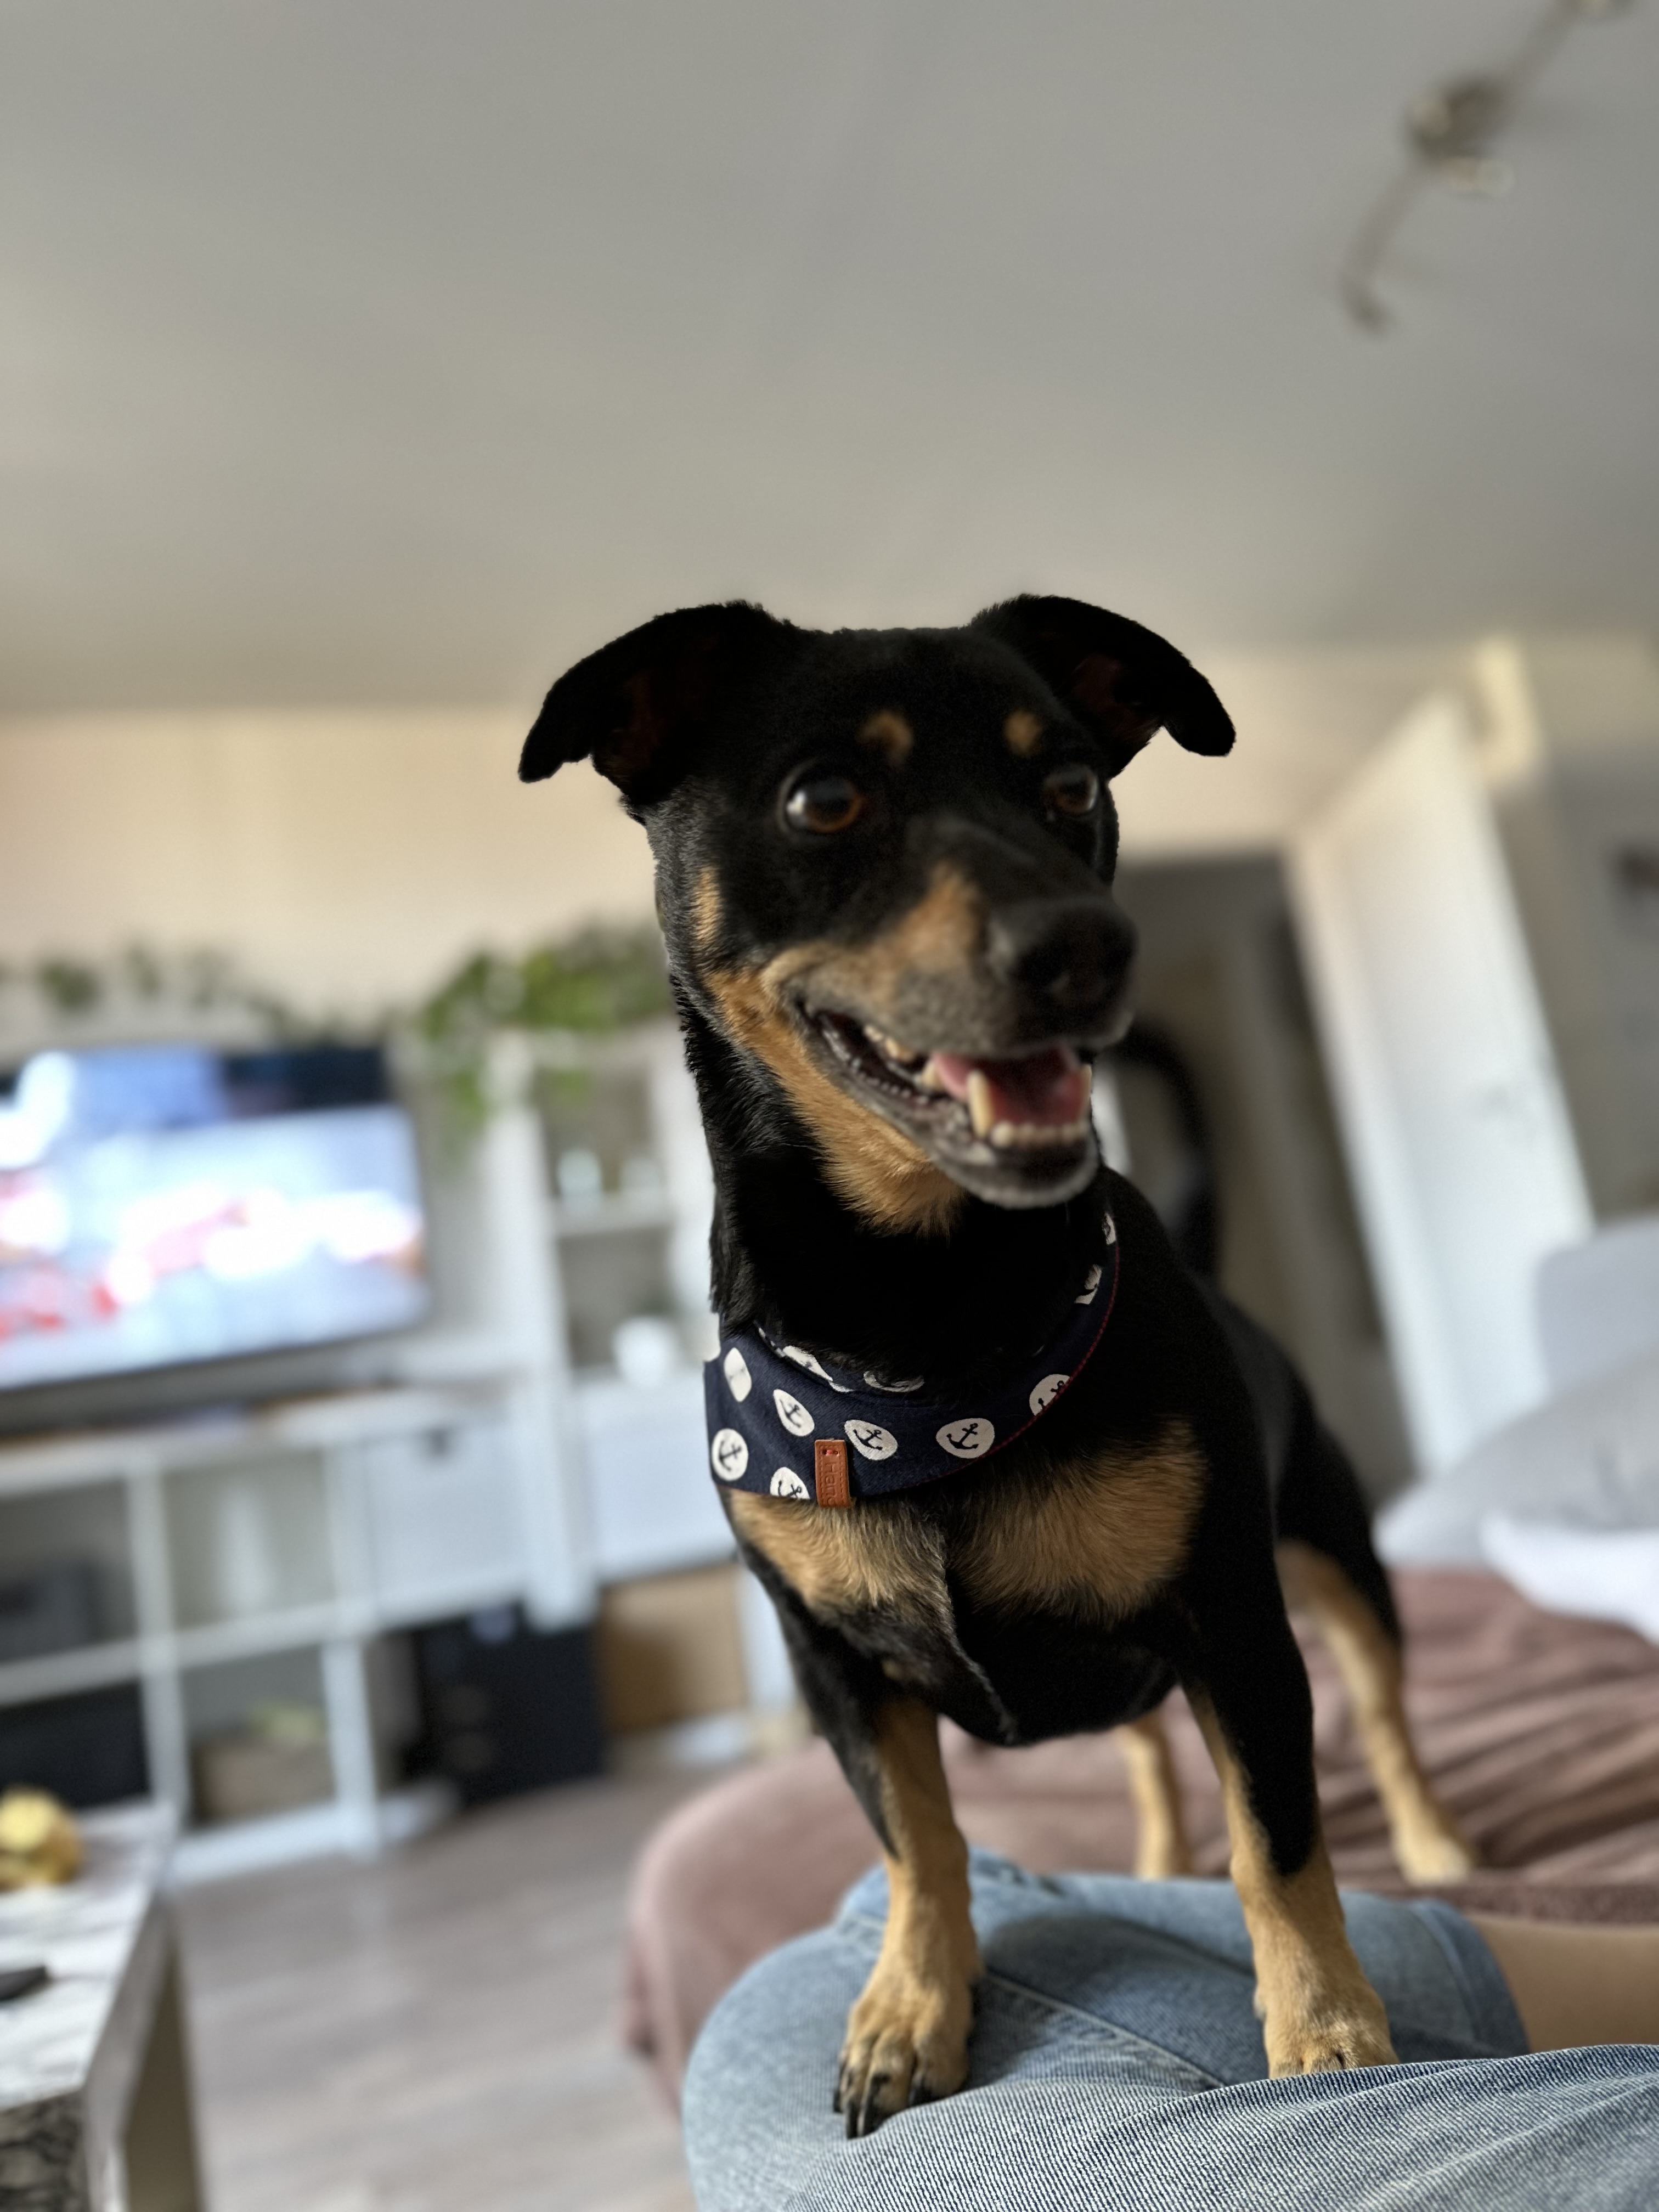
(884, 862)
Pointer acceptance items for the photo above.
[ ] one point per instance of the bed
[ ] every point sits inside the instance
(1542, 1734)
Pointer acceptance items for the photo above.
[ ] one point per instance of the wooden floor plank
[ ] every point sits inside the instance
(436, 2032)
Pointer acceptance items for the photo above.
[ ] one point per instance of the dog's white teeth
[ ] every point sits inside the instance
(891, 1048)
(927, 1077)
(1031, 1136)
(981, 1106)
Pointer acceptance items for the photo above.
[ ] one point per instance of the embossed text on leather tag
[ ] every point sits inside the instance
(830, 1471)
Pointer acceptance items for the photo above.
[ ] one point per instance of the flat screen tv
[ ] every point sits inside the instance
(164, 1205)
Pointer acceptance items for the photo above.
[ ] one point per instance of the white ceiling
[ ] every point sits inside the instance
(397, 351)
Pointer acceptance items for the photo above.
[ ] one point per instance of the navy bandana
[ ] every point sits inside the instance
(782, 1422)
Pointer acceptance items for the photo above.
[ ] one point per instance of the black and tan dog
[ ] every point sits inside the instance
(884, 864)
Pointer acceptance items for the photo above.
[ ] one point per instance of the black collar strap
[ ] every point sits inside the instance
(781, 1421)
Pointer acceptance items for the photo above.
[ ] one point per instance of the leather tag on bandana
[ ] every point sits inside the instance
(829, 1471)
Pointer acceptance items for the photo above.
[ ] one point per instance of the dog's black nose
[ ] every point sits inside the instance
(1073, 954)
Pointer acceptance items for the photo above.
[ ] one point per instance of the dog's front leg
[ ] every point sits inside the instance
(1319, 2014)
(906, 2037)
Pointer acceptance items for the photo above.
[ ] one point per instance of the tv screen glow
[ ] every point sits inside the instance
(167, 1204)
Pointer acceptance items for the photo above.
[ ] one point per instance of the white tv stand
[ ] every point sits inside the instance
(296, 1534)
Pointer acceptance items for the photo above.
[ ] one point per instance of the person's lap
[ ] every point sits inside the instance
(1117, 2061)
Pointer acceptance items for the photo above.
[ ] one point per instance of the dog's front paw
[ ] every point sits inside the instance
(906, 2043)
(1353, 2032)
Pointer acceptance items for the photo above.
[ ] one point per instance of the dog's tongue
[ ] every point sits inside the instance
(1042, 1089)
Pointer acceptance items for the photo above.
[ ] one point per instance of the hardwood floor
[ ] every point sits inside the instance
(436, 2032)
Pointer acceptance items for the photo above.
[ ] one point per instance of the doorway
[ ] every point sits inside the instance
(1219, 978)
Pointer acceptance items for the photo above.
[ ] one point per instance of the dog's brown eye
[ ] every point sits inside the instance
(1073, 789)
(822, 804)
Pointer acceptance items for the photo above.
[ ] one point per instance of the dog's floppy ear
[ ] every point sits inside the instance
(635, 705)
(1121, 680)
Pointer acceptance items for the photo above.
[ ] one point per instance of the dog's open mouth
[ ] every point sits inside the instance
(1033, 1107)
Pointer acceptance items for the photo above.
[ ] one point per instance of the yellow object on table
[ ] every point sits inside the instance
(39, 1842)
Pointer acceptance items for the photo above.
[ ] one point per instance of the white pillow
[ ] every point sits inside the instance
(1589, 1457)
(1598, 1574)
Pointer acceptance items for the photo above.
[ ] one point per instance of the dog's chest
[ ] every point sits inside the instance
(1024, 1615)
(1024, 1678)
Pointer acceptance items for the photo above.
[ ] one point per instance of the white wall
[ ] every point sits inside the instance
(351, 858)
(1571, 754)
(1305, 721)
(347, 859)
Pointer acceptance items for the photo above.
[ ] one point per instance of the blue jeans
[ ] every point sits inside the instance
(1117, 2061)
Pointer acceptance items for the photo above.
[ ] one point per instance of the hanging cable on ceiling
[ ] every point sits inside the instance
(1451, 137)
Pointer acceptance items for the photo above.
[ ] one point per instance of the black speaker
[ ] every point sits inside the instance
(507, 1707)
(88, 1750)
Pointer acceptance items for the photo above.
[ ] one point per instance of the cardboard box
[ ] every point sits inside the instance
(243, 1776)
(670, 1649)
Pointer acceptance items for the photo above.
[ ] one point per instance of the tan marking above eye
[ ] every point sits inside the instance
(1023, 731)
(888, 733)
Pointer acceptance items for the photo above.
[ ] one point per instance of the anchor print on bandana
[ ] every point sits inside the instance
(968, 1439)
(769, 1402)
(1047, 1391)
(793, 1415)
(813, 1365)
(728, 1454)
(873, 1442)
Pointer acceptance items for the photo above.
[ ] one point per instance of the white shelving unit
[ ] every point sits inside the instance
(309, 1529)
(625, 1107)
(494, 1456)
(635, 1244)
(436, 1474)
